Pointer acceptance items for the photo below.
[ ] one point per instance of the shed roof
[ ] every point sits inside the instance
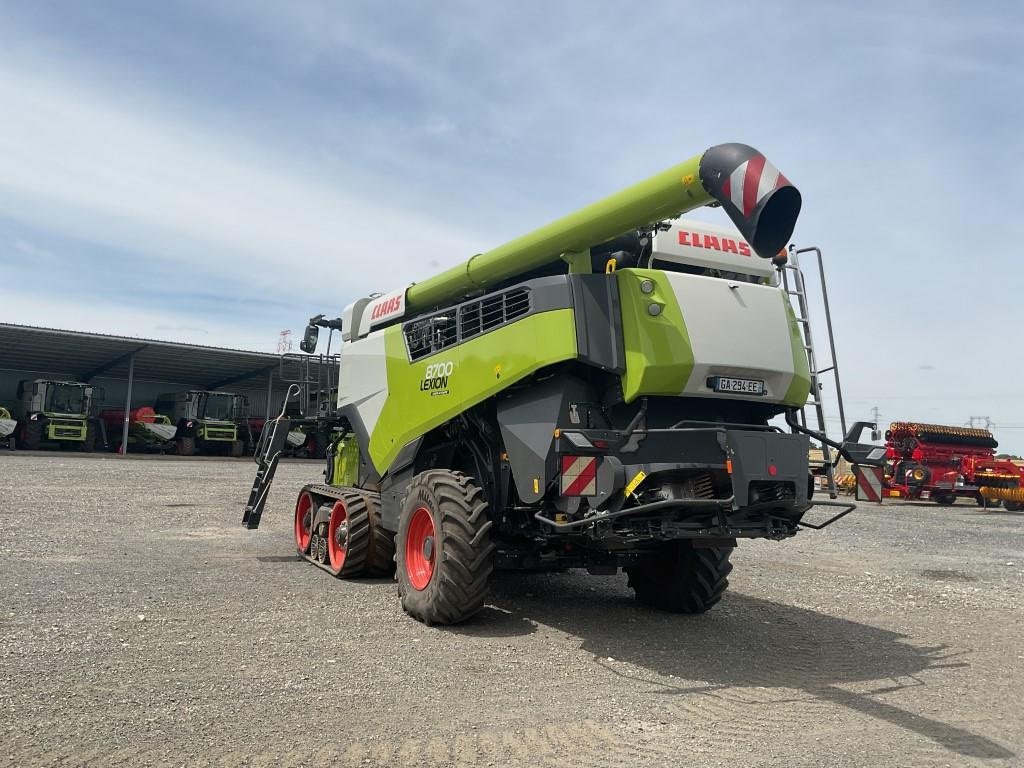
(85, 356)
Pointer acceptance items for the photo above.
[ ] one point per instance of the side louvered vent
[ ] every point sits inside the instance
(427, 335)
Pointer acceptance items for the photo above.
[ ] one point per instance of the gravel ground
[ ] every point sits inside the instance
(140, 624)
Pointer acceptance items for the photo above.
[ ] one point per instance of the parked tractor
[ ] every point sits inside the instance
(597, 394)
(205, 422)
(944, 463)
(58, 414)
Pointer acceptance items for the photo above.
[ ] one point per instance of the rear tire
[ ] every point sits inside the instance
(32, 435)
(186, 446)
(89, 444)
(443, 548)
(1013, 506)
(680, 578)
(944, 499)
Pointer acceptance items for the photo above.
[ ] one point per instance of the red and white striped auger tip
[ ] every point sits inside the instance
(761, 202)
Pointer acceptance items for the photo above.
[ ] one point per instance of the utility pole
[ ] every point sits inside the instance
(876, 415)
(284, 342)
(980, 419)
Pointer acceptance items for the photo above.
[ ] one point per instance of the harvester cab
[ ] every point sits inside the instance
(206, 422)
(58, 413)
(598, 394)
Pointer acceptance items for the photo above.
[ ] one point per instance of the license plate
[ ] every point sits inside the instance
(739, 386)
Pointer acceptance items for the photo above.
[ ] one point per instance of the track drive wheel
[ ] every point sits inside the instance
(944, 499)
(348, 536)
(1013, 506)
(186, 446)
(443, 548)
(305, 509)
(680, 578)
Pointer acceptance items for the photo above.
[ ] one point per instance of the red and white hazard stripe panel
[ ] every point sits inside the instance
(579, 476)
(869, 483)
(751, 181)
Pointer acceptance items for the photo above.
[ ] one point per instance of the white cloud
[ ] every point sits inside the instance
(89, 164)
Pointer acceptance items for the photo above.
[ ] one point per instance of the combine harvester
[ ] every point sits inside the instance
(594, 394)
(943, 463)
(206, 422)
(147, 430)
(58, 414)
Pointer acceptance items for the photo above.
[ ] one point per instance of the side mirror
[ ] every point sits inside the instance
(309, 339)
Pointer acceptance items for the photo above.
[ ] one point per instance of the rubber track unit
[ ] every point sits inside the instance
(380, 555)
(682, 579)
(458, 585)
(357, 503)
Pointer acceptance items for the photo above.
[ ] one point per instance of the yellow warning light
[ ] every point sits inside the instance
(558, 433)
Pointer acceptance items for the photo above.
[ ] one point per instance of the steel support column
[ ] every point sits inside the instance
(270, 393)
(128, 405)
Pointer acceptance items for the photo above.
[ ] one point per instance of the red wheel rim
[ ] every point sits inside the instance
(337, 535)
(303, 522)
(420, 549)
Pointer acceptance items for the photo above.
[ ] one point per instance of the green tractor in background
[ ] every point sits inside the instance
(207, 422)
(57, 413)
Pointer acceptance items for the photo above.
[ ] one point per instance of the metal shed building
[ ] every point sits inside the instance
(133, 371)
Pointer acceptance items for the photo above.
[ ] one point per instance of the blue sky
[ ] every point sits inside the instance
(216, 172)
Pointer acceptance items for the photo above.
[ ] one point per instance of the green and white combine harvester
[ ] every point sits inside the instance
(206, 422)
(57, 414)
(594, 394)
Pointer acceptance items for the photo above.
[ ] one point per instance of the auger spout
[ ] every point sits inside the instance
(761, 202)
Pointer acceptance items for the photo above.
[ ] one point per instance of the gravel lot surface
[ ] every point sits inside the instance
(140, 624)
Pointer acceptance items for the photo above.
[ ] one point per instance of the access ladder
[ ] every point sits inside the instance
(268, 453)
(795, 284)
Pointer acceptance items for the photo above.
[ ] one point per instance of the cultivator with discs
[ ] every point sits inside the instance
(944, 463)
